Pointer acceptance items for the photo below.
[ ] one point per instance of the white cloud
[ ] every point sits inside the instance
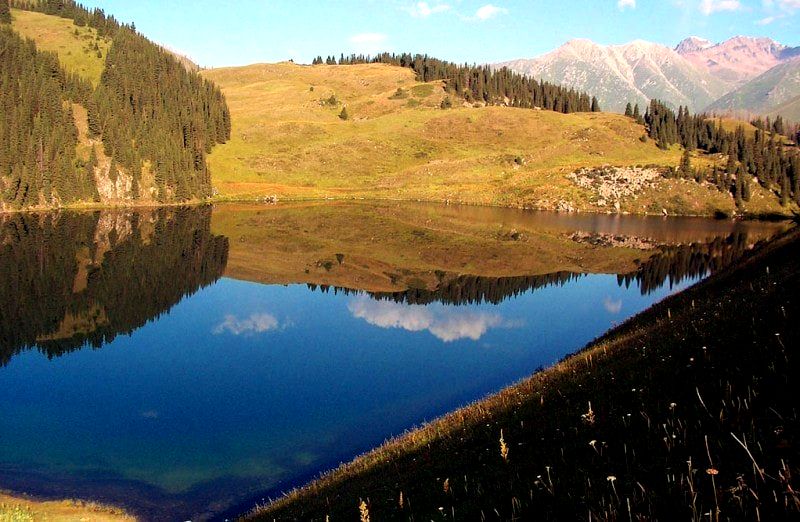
(489, 11)
(768, 20)
(256, 323)
(368, 43)
(424, 9)
(612, 307)
(446, 324)
(780, 10)
(708, 7)
(622, 4)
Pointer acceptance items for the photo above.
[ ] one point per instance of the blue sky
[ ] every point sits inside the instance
(228, 32)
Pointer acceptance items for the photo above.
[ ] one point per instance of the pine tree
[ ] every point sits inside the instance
(686, 164)
(629, 110)
(344, 114)
(595, 105)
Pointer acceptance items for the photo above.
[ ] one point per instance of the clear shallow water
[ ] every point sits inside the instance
(139, 372)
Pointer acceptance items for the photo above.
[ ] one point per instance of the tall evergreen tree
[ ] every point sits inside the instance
(686, 164)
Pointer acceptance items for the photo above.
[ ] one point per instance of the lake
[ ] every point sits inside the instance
(184, 363)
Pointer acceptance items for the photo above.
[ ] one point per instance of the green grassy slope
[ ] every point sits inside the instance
(75, 46)
(686, 410)
(289, 141)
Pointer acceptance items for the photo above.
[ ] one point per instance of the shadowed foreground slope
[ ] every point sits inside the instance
(687, 410)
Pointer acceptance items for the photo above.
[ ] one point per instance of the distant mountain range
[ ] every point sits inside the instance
(740, 75)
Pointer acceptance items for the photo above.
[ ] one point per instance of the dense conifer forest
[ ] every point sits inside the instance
(79, 279)
(38, 136)
(156, 120)
(765, 158)
(481, 84)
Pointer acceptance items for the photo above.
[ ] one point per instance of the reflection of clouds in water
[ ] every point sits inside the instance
(256, 323)
(612, 307)
(446, 324)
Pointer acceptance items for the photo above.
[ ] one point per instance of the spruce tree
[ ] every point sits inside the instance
(686, 164)
(628, 110)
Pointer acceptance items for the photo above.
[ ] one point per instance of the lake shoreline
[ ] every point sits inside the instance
(24, 507)
(417, 464)
(270, 200)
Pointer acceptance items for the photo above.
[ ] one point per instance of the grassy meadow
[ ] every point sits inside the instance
(686, 412)
(289, 141)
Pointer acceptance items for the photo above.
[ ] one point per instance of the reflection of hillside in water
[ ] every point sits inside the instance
(72, 279)
(415, 249)
(670, 264)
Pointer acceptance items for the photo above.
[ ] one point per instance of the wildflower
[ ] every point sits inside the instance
(503, 447)
(588, 417)
(364, 510)
(712, 471)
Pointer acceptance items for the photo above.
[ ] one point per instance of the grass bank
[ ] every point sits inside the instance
(18, 509)
(687, 411)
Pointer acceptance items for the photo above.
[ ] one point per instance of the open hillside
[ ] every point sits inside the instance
(289, 141)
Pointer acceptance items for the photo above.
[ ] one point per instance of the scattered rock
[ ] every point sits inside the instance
(614, 184)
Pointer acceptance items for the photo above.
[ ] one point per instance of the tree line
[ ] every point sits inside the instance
(481, 83)
(765, 157)
(157, 120)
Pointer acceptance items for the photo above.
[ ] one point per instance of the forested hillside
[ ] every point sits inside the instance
(764, 158)
(142, 133)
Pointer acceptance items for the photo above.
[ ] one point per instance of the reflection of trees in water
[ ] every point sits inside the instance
(670, 263)
(678, 263)
(67, 280)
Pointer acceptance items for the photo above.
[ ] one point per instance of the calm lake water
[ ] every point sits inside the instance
(184, 363)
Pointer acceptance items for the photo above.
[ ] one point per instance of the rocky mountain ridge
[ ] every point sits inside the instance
(742, 74)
